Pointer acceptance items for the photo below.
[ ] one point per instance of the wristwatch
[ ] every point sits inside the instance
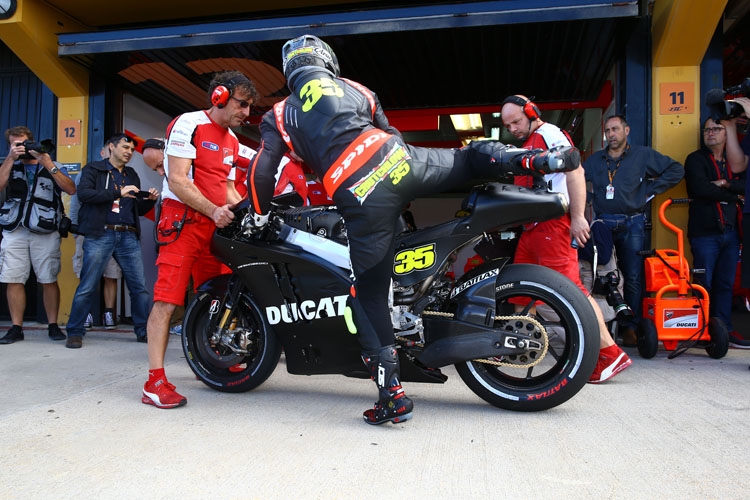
(54, 170)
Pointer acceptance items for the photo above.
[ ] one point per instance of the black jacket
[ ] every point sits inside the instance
(96, 194)
(320, 126)
(711, 208)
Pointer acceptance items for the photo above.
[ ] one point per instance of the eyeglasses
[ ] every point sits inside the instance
(243, 104)
(714, 130)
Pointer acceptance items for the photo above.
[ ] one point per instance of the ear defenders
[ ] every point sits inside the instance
(529, 108)
(221, 94)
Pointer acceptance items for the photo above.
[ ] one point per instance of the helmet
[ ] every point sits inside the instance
(307, 50)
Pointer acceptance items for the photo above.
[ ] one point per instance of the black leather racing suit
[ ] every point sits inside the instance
(371, 183)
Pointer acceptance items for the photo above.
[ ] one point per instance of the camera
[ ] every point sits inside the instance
(46, 146)
(720, 109)
(65, 227)
(606, 285)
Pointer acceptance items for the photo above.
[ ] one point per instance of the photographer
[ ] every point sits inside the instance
(715, 193)
(111, 203)
(29, 218)
(737, 156)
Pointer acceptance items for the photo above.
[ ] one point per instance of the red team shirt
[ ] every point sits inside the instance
(210, 146)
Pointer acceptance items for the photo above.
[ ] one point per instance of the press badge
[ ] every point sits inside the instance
(116, 206)
(610, 192)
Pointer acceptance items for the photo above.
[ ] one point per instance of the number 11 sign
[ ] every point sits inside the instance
(676, 98)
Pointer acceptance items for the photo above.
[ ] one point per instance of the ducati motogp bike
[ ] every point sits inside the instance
(521, 337)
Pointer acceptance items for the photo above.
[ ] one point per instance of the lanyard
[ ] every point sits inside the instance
(721, 173)
(122, 177)
(721, 168)
(611, 173)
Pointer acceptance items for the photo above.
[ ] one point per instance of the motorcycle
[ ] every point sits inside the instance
(522, 337)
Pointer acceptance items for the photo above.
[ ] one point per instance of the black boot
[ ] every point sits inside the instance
(519, 161)
(392, 405)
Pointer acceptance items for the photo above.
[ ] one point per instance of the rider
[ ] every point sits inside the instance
(339, 129)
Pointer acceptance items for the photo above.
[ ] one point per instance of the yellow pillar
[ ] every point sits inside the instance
(31, 33)
(71, 114)
(682, 31)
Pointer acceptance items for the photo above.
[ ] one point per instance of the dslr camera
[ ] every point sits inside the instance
(46, 146)
(721, 109)
(606, 285)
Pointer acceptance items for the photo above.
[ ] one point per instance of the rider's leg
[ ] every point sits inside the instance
(370, 230)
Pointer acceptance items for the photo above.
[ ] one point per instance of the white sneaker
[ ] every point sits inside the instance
(109, 320)
(89, 323)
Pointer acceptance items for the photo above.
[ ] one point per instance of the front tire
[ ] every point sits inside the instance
(236, 360)
(573, 349)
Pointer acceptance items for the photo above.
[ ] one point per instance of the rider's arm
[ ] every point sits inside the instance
(261, 176)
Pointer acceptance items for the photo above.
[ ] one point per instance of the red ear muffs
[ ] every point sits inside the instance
(531, 111)
(220, 96)
(529, 108)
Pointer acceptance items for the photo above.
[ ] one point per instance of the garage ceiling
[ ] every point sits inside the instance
(422, 59)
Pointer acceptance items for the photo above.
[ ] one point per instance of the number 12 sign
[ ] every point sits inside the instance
(676, 98)
(69, 132)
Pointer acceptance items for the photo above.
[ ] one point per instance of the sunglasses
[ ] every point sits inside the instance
(115, 140)
(243, 103)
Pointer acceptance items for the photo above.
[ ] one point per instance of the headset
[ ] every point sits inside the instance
(529, 108)
(221, 94)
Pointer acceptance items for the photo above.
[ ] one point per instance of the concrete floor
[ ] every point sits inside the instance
(73, 426)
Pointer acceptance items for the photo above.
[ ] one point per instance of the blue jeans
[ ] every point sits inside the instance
(126, 249)
(629, 236)
(718, 255)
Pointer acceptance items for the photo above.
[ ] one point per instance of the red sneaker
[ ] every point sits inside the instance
(738, 341)
(612, 360)
(162, 395)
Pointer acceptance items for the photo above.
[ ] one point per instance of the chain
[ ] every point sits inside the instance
(526, 319)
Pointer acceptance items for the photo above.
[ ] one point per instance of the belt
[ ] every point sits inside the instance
(120, 228)
(616, 217)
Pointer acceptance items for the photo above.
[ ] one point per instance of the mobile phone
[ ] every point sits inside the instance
(142, 195)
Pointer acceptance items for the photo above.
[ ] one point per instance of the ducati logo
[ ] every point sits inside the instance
(308, 310)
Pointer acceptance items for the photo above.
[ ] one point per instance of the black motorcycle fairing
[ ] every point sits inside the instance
(489, 207)
(303, 298)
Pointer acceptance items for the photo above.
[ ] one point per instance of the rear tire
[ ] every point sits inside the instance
(212, 359)
(573, 348)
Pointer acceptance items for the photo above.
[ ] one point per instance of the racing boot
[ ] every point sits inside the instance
(518, 161)
(392, 405)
